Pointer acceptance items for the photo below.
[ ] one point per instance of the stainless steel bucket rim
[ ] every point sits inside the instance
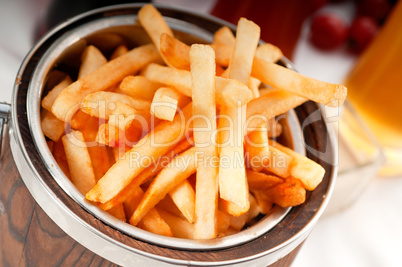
(18, 134)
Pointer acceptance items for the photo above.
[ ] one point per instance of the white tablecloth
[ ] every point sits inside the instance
(369, 233)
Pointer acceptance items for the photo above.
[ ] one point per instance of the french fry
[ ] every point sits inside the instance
(265, 51)
(276, 102)
(79, 161)
(90, 129)
(287, 194)
(264, 90)
(114, 88)
(165, 103)
(119, 51)
(224, 36)
(181, 228)
(112, 136)
(118, 153)
(257, 149)
(154, 223)
(105, 41)
(99, 103)
(235, 211)
(268, 52)
(108, 135)
(98, 154)
(52, 127)
(223, 54)
(239, 222)
(332, 95)
(254, 210)
(175, 52)
(133, 133)
(155, 25)
(261, 181)
(264, 202)
(168, 205)
(120, 115)
(279, 162)
(202, 61)
(230, 231)
(92, 59)
(79, 120)
(103, 78)
(228, 92)
(231, 208)
(223, 221)
(139, 87)
(274, 128)
(119, 109)
(131, 203)
(307, 171)
(146, 174)
(135, 128)
(163, 137)
(254, 85)
(169, 178)
(232, 177)
(247, 37)
(48, 100)
(183, 196)
(118, 212)
(60, 157)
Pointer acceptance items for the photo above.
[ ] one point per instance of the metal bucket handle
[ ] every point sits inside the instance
(4, 117)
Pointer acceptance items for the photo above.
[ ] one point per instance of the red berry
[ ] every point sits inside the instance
(362, 31)
(328, 31)
(377, 9)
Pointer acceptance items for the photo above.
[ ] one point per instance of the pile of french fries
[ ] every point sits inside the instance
(179, 140)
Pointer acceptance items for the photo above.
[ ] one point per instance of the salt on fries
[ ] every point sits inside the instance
(142, 140)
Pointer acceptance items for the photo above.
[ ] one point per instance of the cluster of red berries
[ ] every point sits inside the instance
(328, 31)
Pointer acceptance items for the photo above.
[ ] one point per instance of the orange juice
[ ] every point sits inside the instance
(375, 89)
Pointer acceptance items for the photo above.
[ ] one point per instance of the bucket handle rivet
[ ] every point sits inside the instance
(4, 117)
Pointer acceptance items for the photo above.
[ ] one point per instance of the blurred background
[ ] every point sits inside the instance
(357, 43)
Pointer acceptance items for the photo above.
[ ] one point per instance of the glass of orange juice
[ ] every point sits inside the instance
(375, 90)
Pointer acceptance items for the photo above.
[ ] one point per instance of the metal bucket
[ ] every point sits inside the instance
(272, 238)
